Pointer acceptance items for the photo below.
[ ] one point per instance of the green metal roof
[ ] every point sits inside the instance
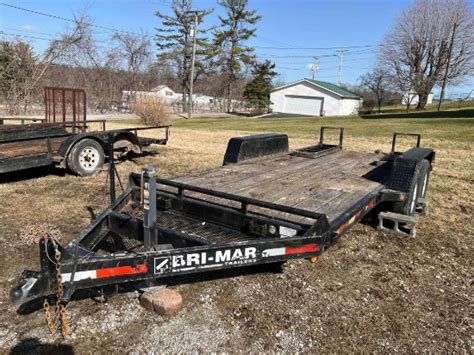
(334, 88)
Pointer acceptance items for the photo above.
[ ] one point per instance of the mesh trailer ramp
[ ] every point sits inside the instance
(264, 205)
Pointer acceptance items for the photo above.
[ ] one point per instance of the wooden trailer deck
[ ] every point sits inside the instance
(34, 147)
(328, 184)
(12, 150)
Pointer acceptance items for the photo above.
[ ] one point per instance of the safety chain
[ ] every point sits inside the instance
(61, 318)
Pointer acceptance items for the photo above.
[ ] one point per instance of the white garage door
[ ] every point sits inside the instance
(303, 105)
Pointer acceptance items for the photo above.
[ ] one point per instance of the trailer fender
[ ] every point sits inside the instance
(133, 144)
(406, 166)
(130, 140)
(243, 148)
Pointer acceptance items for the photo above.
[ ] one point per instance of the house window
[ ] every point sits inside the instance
(169, 93)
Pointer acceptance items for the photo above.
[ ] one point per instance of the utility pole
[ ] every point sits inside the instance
(341, 58)
(193, 61)
(315, 66)
(441, 95)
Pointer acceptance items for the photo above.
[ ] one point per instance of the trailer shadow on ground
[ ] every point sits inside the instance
(34, 173)
(132, 156)
(30, 174)
(34, 345)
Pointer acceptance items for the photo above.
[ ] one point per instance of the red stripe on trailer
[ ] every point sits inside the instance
(370, 204)
(308, 248)
(121, 270)
(355, 217)
(342, 228)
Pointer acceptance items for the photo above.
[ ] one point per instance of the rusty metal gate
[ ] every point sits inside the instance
(63, 105)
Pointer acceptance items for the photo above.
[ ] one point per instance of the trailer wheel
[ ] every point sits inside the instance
(424, 178)
(86, 157)
(408, 207)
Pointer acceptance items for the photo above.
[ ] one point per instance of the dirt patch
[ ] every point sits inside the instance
(372, 291)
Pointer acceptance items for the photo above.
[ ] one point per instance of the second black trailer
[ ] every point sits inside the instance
(69, 145)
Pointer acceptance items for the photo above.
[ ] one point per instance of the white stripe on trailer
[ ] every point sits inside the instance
(352, 220)
(273, 252)
(80, 275)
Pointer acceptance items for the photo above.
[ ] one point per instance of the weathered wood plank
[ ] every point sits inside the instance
(24, 148)
(13, 133)
(327, 184)
(261, 174)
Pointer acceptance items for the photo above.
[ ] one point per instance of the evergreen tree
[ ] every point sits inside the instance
(175, 41)
(229, 40)
(257, 91)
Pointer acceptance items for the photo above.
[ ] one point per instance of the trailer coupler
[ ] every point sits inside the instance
(32, 285)
(36, 284)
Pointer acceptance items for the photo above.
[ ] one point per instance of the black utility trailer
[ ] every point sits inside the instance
(68, 145)
(265, 205)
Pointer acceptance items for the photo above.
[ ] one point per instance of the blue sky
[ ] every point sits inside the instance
(360, 24)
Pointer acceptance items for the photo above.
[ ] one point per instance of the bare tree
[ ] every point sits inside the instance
(136, 51)
(57, 48)
(31, 69)
(377, 82)
(416, 51)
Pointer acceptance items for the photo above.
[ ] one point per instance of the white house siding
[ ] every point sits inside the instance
(349, 106)
(413, 98)
(331, 102)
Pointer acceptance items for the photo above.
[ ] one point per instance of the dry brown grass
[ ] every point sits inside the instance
(372, 291)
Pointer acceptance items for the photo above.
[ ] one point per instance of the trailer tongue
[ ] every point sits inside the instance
(265, 205)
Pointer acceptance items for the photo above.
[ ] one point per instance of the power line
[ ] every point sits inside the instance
(302, 61)
(16, 34)
(304, 67)
(312, 56)
(65, 19)
(315, 48)
(23, 30)
(345, 47)
(48, 39)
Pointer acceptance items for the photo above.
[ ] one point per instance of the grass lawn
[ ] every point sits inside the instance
(453, 105)
(372, 291)
(438, 126)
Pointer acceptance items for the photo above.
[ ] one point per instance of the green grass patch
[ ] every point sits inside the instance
(456, 129)
(463, 113)
(455, 105)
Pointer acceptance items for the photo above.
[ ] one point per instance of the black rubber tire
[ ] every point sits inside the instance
(423, 182)
(86, 157)
(408, 207)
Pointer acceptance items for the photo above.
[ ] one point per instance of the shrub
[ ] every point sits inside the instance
(151, 110)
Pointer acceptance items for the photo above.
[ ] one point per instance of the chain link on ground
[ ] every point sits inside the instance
(44, 232)
(34, 233)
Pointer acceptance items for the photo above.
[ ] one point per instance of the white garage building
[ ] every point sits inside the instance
(314, 98)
